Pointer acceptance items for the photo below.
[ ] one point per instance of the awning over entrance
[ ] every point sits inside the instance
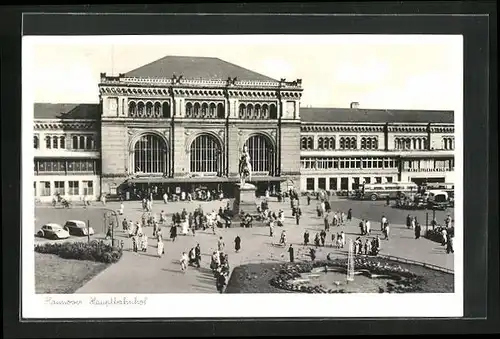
(166, 180)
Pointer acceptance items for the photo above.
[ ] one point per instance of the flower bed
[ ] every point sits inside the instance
(94, 251)
(404, 280)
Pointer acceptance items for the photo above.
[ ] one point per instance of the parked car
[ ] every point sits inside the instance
(78, 227)
(53, 231)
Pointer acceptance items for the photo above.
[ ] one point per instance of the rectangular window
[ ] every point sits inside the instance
(358, 163)
(367, 180)
(73, 188)
(45, 188)
(310, 184)
(355, 184)
(380, 163)
(88, 187)
(336, 163)
(386, 163)
(59, 187)
(322, 183)
(378, 180)
(333, 184)
(388, 179)
(344, 184)
(34, 188)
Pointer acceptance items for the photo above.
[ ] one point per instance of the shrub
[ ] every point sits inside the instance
(94, 251)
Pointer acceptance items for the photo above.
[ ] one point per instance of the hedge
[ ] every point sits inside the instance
(94, 251)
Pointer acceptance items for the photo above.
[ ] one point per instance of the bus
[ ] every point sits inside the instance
(447, 187)
(391, 190)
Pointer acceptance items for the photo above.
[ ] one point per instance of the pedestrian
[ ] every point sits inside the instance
(349, 214)
(382, 222)
(444, 235)
(449, 244)
(386, 231)
(317, 240)
(184, 261)
(413, 223)
(103, 199)
(121, 208)
(312, 253)
(271, 228)
(173, 232)
(220, 244)
(367, 227)
(408, 221)
(124, 224)
(327, 222)
(388, 201)
(342, 237)
(197, 251)
(237, 243)
(291, 253)
(417, 231)
(220, 282)
(368, 247)
(308, 200)
(283, 238)
(306, 238)
(144, 242)
(165, 198)
(297, 216)
(323, 237)
(160, 249)
(362, 227)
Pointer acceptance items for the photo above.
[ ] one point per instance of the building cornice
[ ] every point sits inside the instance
(350, 128)
(74, 124)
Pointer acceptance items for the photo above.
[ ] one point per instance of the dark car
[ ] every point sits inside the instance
(78, 227)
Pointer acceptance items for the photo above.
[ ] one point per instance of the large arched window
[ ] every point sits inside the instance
(55, 142)
(81, 142)
(75, 142)
(353, 143)
(261, 154)
(310, 143)
(150, 154)
(364, 143)
(205, 154)
(249, 112)
(36, 142)
(132, 109)
(62, 142)
(258, 112)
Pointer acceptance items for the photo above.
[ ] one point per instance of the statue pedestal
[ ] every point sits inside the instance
(245, 199)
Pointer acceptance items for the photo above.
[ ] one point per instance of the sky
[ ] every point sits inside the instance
(384, 72)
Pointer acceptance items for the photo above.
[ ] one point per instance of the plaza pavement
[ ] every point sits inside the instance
(146, 273)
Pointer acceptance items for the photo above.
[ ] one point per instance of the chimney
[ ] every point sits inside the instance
(354, 104)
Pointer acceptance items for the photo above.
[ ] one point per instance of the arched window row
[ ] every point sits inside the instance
(369, 143)
(205, 110)
(448, 143)
(306, 143)
(149, 109)
(346, 143)
(150, 154)
(205, 155)
(51, 142)
(410, 143)
(83, 142)
(258, 111)
(326, 143)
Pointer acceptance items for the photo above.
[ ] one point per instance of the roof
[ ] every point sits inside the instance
(190, 67)
(374, 115)
(66, 111)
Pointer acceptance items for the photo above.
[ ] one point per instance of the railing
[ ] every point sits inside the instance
(428, 169)
(419, 263)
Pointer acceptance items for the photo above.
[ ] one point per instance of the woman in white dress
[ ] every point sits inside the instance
(160, 247)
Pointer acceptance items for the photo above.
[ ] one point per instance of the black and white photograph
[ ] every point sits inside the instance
(252, 175)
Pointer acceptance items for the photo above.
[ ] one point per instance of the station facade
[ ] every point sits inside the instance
(180, 123)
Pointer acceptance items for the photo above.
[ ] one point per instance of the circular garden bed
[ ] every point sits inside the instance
(287, 277)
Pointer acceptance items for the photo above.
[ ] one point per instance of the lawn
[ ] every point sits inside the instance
(56, 275)
(254, 278)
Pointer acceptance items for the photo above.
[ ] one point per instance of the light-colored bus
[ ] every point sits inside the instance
(438, 199)
(391, 190)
